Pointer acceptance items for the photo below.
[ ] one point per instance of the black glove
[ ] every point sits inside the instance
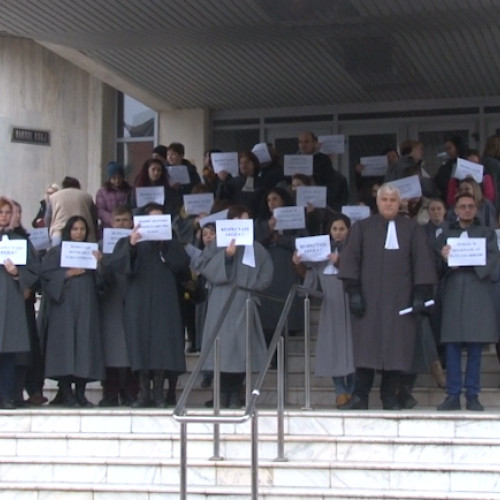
(421, 294)
(357, 304)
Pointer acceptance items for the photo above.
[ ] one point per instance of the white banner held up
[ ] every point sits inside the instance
(240, 230)
(313, 248)
(76, 254)
(154, 227)
(15, 250)
(298, 164)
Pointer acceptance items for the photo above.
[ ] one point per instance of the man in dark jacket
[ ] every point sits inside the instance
(337, 190)
(475, 324)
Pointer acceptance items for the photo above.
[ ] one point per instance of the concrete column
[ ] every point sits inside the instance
(189, 127)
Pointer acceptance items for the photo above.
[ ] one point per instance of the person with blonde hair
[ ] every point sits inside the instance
(39, 219)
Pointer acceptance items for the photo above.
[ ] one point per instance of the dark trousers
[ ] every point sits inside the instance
(364, 383)
(454, 383)
(7, 375)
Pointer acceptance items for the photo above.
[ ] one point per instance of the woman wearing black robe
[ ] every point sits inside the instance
(153, 325)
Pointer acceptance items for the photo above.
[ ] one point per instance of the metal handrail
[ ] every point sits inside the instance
(276, 344)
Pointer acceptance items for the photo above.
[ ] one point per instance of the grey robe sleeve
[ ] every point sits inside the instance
(53, 275)
(30, 273)
(492, 255)
(174, 255)
(212, 265)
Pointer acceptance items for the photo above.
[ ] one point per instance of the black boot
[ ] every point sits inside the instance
(388, 390)
(405, 396)
(68, 397)
(158, 382)
(80, 395)
(144, 398)
(172, 386)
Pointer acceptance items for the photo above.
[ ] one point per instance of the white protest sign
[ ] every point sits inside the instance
(332, 144)
(213, 217)
(111, 235)
(289, 218)
(261, 151)
(467, 252)
(154, 227)
(15, 250)
(76, 254)
(225, 161)
(39, 238)
(195, 204)
(497, 231)
(153, 194)
(409, 187)
(178, 174)
(316, 195)
(298, 164)
(374, 166)
(313, 248)
(356, 212)
(240, 230)
(466, 168)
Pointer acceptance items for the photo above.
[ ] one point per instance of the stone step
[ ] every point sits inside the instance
(77, 491)
(435, 450)
(370, 475)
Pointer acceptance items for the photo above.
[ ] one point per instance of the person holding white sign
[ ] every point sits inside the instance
(468, 309)
(73, 352)
(486, 211)
(280, 245)
(223, 268)
(247, 188)
(153, 173)
(334, 355)
(153, 324)
(14, 280)
(175, 158)
(386, 266)
(118, 387)
(323, 172)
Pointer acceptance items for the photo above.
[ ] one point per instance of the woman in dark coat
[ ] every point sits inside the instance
(14, 279)
(280, 245)
(73, 349)
(153, 324)
(153, 173)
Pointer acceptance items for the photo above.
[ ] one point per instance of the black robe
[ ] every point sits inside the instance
(154, 329)
(381, 338)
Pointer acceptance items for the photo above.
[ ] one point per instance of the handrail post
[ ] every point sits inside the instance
(281, 401)
(248, 339)
(307, 358)
(255, 456)
(216, 455)
(183, 485)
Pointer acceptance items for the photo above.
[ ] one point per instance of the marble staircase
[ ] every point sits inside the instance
(48, 454)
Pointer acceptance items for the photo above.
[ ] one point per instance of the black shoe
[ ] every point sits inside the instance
(356, 403)
(83, 402)
(473, 404)
(171, 398)
(124, 398)
(451, 403)
(391, 403)
(408, 402)
(109, 402)
(58, 399)
(7, 404)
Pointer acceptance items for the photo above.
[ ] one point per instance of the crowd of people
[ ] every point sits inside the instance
(395, 300)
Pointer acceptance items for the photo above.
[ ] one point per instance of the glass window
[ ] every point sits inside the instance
(136, 134)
